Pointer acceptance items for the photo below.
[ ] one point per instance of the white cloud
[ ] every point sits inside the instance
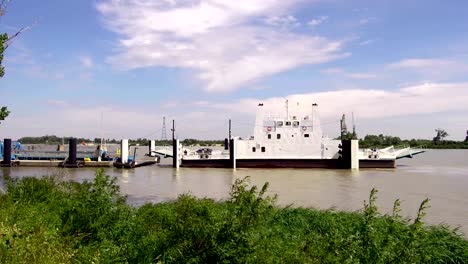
(369, 106)
(419, 99)
(352, 75)
(366, 42)
(220, 39)
(406, 103)
(361, 75)
(282, 21)
(366, 20)
(432, 68)
(317, 21)
(57, 103)
(421, 64)
(86, 61)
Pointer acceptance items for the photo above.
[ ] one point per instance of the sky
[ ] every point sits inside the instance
(114, 68)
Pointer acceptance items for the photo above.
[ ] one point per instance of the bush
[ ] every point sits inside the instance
(50, 221)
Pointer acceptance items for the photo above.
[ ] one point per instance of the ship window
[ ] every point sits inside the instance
(279, 123)
(263, 149)
(269, 136)
(278, 136)
(288, 123)
(306, 135)
(295, 123)
(253, 149)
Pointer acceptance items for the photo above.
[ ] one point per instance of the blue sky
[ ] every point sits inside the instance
(400, 66)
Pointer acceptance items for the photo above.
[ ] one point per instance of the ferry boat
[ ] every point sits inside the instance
(292, 139)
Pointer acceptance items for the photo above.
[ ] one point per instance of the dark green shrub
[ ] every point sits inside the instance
(50, 221)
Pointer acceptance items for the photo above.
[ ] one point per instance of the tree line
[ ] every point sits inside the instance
(379, 141)
(53, 140)
(369, 141)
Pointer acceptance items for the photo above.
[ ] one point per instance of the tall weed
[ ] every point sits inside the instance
(49, 220)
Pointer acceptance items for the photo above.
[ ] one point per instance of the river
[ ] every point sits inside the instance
(440, 175)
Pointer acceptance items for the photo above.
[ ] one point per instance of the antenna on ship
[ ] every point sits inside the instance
(287, 109)
(314, 112)
(173, 129)
(163, 130)
(354, 135)
(344, 129)
(229, 128)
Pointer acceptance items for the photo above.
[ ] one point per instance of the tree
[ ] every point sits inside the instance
(441, 134)
(4, 40)
(3, 37)
(3, 113)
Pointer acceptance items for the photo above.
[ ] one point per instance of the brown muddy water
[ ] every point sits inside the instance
(440, 175)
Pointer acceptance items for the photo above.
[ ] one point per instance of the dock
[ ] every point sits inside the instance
(73, 158)
(60, 163)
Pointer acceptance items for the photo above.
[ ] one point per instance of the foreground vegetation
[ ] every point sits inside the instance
(51, 221)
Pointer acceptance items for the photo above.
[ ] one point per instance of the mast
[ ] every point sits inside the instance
(287, 109)
(102, 127)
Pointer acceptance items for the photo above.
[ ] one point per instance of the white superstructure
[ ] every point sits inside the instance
(292, 135)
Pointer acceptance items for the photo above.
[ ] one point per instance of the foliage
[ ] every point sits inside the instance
(52, 139)
(378, 141)
(48, 220)
(3, 39)
(4, 113)
(369, 141)
(441, 134)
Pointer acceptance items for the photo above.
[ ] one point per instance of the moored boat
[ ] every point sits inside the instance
(292, 139)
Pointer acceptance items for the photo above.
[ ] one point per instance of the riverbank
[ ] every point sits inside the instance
(52, 221)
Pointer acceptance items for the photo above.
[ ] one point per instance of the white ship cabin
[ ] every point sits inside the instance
(294, 133)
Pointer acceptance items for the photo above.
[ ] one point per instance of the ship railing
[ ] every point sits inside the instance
(271, 116)
(402, 146)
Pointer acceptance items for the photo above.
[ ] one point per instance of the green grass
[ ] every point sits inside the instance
(51, 221)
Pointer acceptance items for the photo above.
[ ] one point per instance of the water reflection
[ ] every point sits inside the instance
(125, 176)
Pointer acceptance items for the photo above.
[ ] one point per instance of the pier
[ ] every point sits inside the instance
(72, 158)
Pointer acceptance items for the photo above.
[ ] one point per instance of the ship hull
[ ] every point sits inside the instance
(283, 163)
